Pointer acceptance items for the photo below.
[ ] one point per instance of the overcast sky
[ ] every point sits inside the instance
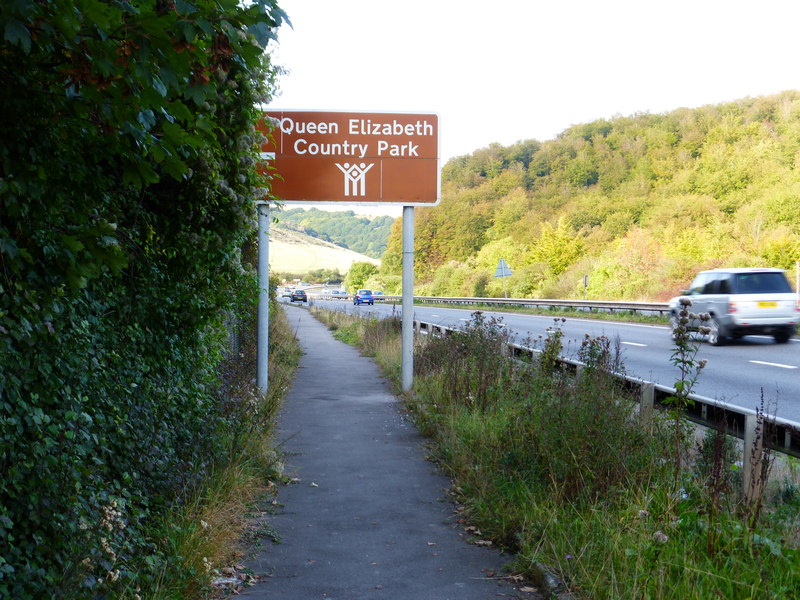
(509, 70)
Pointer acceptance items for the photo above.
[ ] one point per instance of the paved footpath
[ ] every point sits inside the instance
(369, 517)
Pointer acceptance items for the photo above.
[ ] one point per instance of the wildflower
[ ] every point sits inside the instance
(643, 514)
(204, 525)
(108, 549)
(660, 537)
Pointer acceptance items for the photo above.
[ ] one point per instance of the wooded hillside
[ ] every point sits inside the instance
(637, 203)
(343, 228)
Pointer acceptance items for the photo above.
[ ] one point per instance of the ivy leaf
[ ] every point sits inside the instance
(70, 242)
(196, 93)
(185, 8)
(9, 247)
(175, 167)
(174, 134)
(180, 111)
(17, 33)
(262, 32)
(159, 86)
(146, 118)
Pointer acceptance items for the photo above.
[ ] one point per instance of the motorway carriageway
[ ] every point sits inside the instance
(737, 373)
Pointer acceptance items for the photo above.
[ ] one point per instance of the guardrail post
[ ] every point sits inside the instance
(647, 402)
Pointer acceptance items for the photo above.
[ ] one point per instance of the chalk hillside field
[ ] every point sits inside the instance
(295, 252)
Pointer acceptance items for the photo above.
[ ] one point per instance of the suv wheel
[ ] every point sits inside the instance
(783, 336)
(715, 336)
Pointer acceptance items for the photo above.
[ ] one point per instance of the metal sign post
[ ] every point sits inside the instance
(407, 351)
(262, 367)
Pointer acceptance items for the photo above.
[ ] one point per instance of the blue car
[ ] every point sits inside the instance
(363, 297)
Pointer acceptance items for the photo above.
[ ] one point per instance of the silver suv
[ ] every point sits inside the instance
(741, 302)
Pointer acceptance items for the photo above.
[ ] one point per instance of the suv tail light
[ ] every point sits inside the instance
(731, 307)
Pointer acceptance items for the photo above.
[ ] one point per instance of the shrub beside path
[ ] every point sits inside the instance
(366, 517)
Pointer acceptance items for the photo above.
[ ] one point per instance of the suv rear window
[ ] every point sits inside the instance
(761, 283)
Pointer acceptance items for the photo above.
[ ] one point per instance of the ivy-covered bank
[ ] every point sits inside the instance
(126, 193)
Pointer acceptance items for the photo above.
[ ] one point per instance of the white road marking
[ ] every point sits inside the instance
(634, 344)
(772, 364)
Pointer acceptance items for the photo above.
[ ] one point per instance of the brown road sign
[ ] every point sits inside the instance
(358, 158)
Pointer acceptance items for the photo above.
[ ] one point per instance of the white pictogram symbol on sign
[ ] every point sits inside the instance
(355, 175)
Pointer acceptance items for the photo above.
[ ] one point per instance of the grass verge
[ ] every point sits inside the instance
(203, 537)
(556, 467)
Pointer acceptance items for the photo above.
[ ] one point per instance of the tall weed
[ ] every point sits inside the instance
(553, 464)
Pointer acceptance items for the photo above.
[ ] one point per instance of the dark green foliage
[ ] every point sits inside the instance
(126, 191)
(345, 228)
(357, 276)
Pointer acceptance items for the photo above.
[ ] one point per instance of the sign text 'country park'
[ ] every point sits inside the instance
(354, 157)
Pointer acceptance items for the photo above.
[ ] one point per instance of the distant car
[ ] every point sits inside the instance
(363, 297)
(378, 295)
(287, 293)
(339, 294)
(741, 302)
(299, 296)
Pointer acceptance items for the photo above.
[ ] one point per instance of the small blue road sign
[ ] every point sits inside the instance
(502, 269)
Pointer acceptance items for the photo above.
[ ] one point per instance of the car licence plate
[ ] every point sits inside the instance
(768, 304)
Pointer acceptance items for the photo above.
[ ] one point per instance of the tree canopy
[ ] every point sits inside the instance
(637, 203)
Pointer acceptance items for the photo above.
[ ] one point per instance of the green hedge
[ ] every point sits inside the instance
(126, 191)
